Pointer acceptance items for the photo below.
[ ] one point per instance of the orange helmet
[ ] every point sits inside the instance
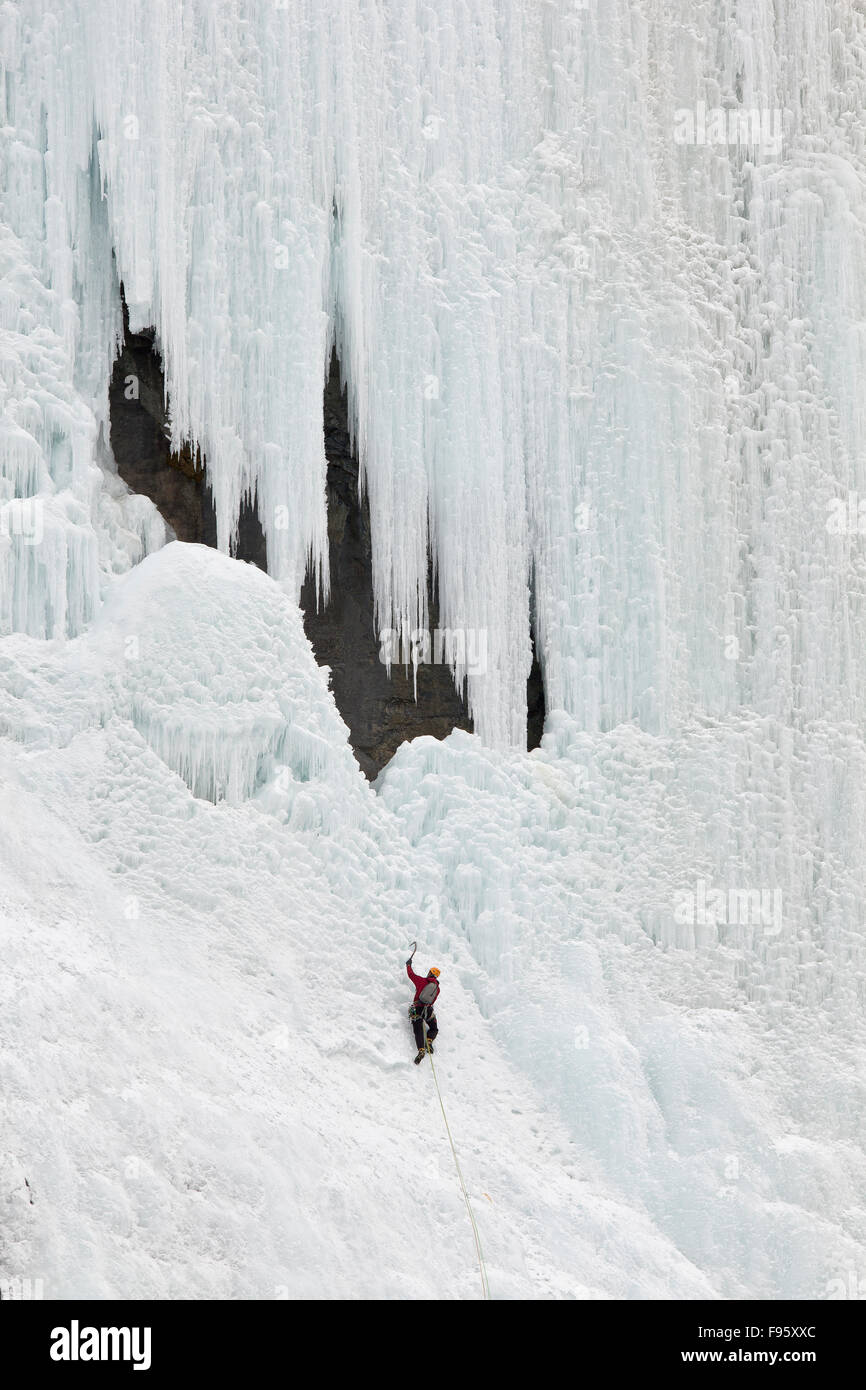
(433, 971)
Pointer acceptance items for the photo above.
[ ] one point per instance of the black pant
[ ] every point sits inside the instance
(420, 1014)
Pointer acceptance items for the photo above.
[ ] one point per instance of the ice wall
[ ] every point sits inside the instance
(595, 345)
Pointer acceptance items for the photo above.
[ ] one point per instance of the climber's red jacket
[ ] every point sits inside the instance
(419, 981)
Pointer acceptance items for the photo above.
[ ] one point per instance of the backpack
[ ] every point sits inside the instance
(429, 992)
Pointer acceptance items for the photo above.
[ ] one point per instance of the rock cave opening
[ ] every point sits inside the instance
(380, 709)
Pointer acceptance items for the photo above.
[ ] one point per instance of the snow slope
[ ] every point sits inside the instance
(208, 1068)
(216, 1098)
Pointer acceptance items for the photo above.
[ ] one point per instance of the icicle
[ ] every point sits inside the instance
(596, 282)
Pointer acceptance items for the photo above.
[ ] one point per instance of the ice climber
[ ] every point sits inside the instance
(421, 1010)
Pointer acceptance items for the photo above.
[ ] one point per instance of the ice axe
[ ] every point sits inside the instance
(414, 949)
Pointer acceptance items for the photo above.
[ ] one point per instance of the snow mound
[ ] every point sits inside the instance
(218, 675)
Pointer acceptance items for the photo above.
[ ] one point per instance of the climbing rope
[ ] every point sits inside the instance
(485, 1284)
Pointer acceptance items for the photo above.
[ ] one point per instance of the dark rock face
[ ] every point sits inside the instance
(175, 483)
(380, 710)
(536, 708)
(140, 442)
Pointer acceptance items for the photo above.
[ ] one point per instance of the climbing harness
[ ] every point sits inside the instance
(420, 1011)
